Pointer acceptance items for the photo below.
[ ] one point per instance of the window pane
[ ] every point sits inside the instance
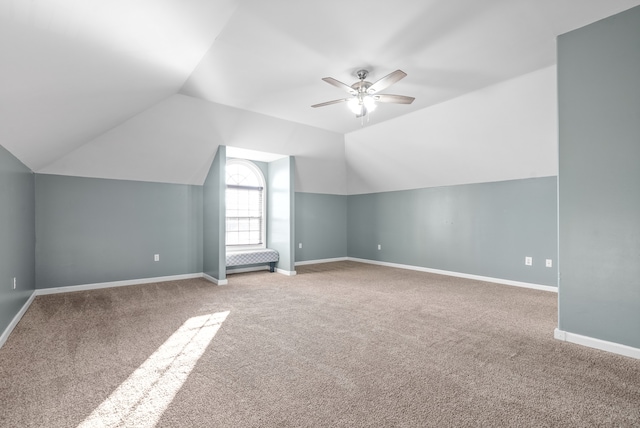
(243, 237)
(244, 205)
(232, 239)
(241, 175)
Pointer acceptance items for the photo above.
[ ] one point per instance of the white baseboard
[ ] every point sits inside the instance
(459, 275)
(16, 319)
(216, 281)
(315, 262)
(602, 345)
(247, 269)
(259, 268)
(83, 287)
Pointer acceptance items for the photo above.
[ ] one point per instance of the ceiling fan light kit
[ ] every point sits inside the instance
(362, 105)
(364, 94)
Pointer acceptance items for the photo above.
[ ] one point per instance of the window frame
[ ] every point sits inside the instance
(261, 179)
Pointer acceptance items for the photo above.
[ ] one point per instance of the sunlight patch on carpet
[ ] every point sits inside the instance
(141, 400)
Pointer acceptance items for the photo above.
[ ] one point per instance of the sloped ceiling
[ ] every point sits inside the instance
(97, 88)
(72, 70)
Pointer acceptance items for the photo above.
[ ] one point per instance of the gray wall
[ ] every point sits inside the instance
(281, 211)
(214, 217)
(599, 177)
(17, 236)
(480, 229)
(321, 226)
(93, 230)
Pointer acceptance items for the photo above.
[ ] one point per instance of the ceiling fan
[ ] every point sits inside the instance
(364, 95)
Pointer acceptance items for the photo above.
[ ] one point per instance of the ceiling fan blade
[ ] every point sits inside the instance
(386, 81)
(339, 84)
(397, 99)
(328, 103)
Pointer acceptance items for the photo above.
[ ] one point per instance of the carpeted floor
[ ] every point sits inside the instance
(339, 345)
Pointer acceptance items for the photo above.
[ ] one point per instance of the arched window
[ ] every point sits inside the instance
(245, 205)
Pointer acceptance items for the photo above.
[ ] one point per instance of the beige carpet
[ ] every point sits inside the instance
(340, 345)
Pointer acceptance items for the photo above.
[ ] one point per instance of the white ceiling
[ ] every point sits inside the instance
(73, 71)
(271, 56)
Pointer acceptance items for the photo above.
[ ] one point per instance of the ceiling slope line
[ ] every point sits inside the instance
(229, 15)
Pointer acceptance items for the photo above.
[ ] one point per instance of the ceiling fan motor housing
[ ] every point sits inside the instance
(361, 86)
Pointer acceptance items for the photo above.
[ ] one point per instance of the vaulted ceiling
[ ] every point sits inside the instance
(83, 80)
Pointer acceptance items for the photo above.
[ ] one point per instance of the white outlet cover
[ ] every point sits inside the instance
(156, 257)
(300, 245)
(528, 261)
(379, 247)
(549, 263)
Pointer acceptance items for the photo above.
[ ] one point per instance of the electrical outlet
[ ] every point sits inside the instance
(156, 257)
(528, 261)
(300, 245)
(379, 247)
(549, 263)
(14, 282)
